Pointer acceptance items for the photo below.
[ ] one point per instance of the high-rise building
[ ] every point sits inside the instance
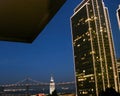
(52, 85)
(118, 65)
(94, 54)
(118, 16)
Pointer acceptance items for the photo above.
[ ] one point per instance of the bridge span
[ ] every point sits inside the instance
(29, 85)
(31, 82)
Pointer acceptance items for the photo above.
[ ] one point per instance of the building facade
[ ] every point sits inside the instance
(118, 66)
(118, 16)
(94, 56)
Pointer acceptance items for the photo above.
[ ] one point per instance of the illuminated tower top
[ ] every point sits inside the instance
(51, 80)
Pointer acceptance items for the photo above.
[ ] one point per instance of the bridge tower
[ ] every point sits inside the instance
(52, 85)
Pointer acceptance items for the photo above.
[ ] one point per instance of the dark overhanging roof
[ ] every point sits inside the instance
(23, 20)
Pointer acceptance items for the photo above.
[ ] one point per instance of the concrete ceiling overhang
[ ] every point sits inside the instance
(23, 20)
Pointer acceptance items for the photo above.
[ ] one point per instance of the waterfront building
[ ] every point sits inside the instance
(118, 16)
(94, 54)
(52, 85)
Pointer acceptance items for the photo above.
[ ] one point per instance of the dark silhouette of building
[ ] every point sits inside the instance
(54, 93)
(109, 92)
(94, 56)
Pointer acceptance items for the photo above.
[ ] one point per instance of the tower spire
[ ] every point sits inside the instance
(51, 80)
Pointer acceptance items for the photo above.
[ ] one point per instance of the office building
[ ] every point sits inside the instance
(118, 65)
(94, 54)
(118, 16)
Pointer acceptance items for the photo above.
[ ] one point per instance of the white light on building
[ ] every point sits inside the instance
(118, 16)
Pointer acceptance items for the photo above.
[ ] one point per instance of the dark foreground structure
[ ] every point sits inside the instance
(95, 64)
(23, 20)
(109, 92)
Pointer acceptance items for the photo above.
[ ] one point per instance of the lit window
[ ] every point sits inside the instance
(101, 59)
(84, 71)
(95, 17)
(92, 78)
(97, 57)
(90, 29)
(92, 52)
(92, 89)
(78, 24)
(110, 67)
(84, 92)
(99, 74)
(101, 29)
(82, 58)
(84, 40)
(78, 45)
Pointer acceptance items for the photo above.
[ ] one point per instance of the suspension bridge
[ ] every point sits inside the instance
(29, 84)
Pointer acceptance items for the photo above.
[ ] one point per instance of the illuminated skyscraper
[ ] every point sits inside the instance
(118, 16)
(95, 64)
(118, 65)
(52, 85)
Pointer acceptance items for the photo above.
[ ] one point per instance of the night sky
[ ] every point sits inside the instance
(51, 52)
